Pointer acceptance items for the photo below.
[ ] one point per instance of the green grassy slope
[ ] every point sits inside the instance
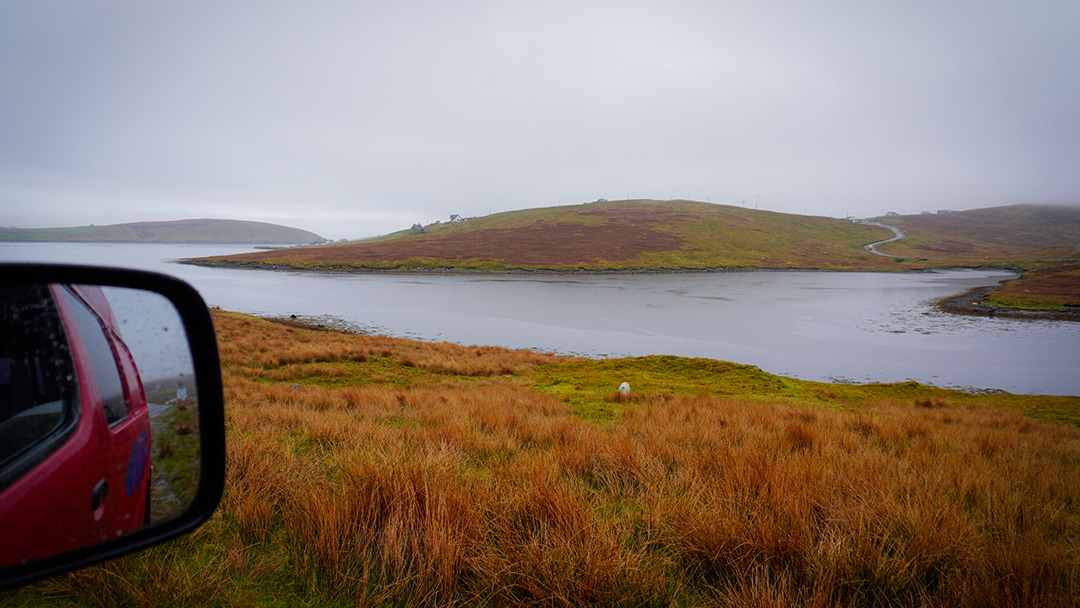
(181, 231)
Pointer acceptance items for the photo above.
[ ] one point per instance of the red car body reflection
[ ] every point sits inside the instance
(74, 464)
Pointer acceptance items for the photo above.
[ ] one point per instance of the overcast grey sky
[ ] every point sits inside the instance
(356, 118)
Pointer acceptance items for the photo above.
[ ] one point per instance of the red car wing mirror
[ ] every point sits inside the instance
(112, 433)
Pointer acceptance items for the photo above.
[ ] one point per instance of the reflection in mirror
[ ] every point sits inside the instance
(99, 431)
(152, 330)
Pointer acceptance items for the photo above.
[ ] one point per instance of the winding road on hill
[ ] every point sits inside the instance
(897, 236)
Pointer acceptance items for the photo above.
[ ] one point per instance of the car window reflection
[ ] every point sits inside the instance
(36, 377)
(102, 359)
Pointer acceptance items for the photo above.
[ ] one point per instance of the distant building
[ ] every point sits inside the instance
(456, 218)
(943, 211)
(891, 213)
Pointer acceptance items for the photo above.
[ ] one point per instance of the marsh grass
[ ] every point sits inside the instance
(1052, 287)
(475, 478)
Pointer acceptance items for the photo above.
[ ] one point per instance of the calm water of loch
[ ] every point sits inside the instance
(830, 326)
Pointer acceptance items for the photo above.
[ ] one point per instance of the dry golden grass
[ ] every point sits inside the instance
(464, 487)
(250, 347)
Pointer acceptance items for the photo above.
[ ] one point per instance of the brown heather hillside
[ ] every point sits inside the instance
(620, 235)
(1017, 232)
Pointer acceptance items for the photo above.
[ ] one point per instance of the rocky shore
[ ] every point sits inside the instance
(973, 302)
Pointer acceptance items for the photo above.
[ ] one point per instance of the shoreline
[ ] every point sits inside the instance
(556, 271)
(972, 303)
(326, 324)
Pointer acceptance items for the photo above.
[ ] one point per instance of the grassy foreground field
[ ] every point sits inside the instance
(374, 471)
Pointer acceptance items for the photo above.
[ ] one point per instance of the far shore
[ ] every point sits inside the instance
(973, 303)
(558, 271)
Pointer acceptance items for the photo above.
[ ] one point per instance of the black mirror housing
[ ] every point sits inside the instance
(202, 342)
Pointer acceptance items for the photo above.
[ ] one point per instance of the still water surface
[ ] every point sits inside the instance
(863, 327)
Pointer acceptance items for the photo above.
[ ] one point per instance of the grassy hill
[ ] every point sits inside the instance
(181, 231)
(686, 235)
(618, 235)
(1016, 232)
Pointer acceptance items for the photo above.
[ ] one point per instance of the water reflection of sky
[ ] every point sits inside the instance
(863, 327)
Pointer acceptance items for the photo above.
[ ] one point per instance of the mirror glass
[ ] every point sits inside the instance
(99, 425)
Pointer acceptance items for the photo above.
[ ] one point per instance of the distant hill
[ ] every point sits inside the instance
(1014, 232)
(676, 235)
(618, 235)
(180, 231)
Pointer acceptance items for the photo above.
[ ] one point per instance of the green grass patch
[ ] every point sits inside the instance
(589, 385)
(175, 460)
